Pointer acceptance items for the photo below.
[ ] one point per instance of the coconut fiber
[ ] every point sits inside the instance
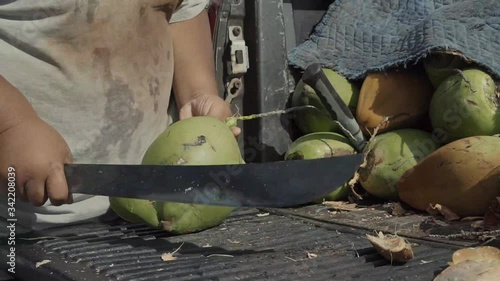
(358, 36)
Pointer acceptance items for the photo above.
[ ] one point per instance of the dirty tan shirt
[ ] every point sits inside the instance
(100, 72)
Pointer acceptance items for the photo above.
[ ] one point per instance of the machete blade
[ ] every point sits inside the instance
(274, 184)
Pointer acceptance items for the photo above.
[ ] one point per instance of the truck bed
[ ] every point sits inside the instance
(316, 242)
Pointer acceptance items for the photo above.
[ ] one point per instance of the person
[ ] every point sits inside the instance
(87, 81)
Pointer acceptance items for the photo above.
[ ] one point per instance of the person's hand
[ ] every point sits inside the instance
(37, 152)
(208, 105)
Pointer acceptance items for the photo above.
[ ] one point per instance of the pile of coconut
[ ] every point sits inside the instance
(432, 131)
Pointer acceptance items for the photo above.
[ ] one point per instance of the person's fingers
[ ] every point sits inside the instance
(57, 187)
(19, 189)
(236, 131)
(69, 159)
(35, 192)
(21, 193)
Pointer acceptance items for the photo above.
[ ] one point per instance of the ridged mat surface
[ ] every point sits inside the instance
(248, 246)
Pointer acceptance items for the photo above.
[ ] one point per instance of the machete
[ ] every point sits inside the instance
(334, 105)
(272, 184)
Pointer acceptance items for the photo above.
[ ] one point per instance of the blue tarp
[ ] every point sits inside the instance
(358, 36)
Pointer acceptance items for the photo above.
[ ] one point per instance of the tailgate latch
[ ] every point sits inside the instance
(239, 51)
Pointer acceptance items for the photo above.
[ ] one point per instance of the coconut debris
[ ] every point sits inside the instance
(40, 263)
(355, 178)
(311, 255)
(220, 255)
(391, 247)
(437, 209)
(479, 264)
(341, 206)
(170, 256)
(477, 254)
(491, 219)
(398, 210)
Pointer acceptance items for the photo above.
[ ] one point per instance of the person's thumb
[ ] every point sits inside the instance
(186, 111)
(236, 131)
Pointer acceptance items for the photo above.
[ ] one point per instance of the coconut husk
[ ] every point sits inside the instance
(391, 247)
(398, 210)
(477, 254)
(488, 270)
(355, 179)
(491, 219)
(439, 209)
(478, 264)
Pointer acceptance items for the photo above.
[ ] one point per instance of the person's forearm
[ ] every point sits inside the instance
(14, 107)
(194, 71)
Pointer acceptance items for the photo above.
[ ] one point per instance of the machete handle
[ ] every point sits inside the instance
(338, 110)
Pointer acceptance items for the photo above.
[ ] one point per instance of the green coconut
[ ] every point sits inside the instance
(466, 104)
(192, 141)
(440, 66)
(389, 156)
(322, 145)
(135, 210)
(318, 120)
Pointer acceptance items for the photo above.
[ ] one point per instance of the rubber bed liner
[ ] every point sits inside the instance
(250, 245)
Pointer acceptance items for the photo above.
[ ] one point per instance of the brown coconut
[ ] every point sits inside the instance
(403, 97)
(462, 176)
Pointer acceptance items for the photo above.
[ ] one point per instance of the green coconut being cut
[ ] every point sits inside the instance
(192, 141)
(318, 120)
(322, 145)
(389, 156)
(466, 104)
(135, 210)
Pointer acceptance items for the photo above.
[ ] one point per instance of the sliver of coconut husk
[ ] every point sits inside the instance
(492, 216)
(391, 247)
(355, 179)
(478, 264)
(398, 210)
(341, 206)
(439, 209)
